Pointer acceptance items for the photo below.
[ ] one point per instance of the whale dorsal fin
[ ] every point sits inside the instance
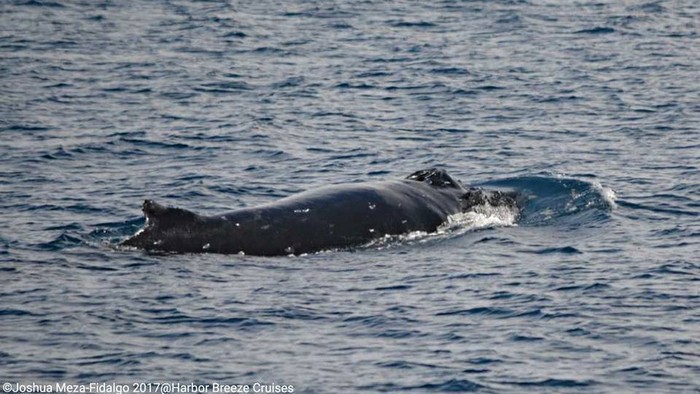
(435, 177)
(163, 217)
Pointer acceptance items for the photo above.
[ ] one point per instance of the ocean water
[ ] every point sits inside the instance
(590, 109)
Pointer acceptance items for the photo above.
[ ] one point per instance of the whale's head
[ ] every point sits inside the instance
(468, 197)
(435, 177)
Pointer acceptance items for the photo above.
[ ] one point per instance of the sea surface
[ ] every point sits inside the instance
(588, 109)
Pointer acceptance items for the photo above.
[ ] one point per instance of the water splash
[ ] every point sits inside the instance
(477, 218)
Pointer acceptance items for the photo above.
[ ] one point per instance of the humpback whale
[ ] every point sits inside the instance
(331, 217)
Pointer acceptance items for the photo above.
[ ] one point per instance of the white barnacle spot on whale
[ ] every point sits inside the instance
(289, 250)
(265, 227)
(372, 206)
(371, 230)
(305, 210)
(241, 253)
(206, 246)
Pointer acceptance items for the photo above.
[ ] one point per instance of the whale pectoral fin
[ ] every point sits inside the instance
(165, 217)
(434, 177)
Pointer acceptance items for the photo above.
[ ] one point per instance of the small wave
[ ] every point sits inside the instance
(606, 193)
(412, 24)
(553, 383)
(562, 250)
(65, 240)
(596, 30)
(549, 199)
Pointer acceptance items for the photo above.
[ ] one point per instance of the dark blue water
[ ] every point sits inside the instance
(589, 109)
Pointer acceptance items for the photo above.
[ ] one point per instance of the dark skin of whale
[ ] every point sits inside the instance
(331, 217)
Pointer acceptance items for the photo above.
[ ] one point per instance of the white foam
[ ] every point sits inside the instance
(607, 193)
(479, 217)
